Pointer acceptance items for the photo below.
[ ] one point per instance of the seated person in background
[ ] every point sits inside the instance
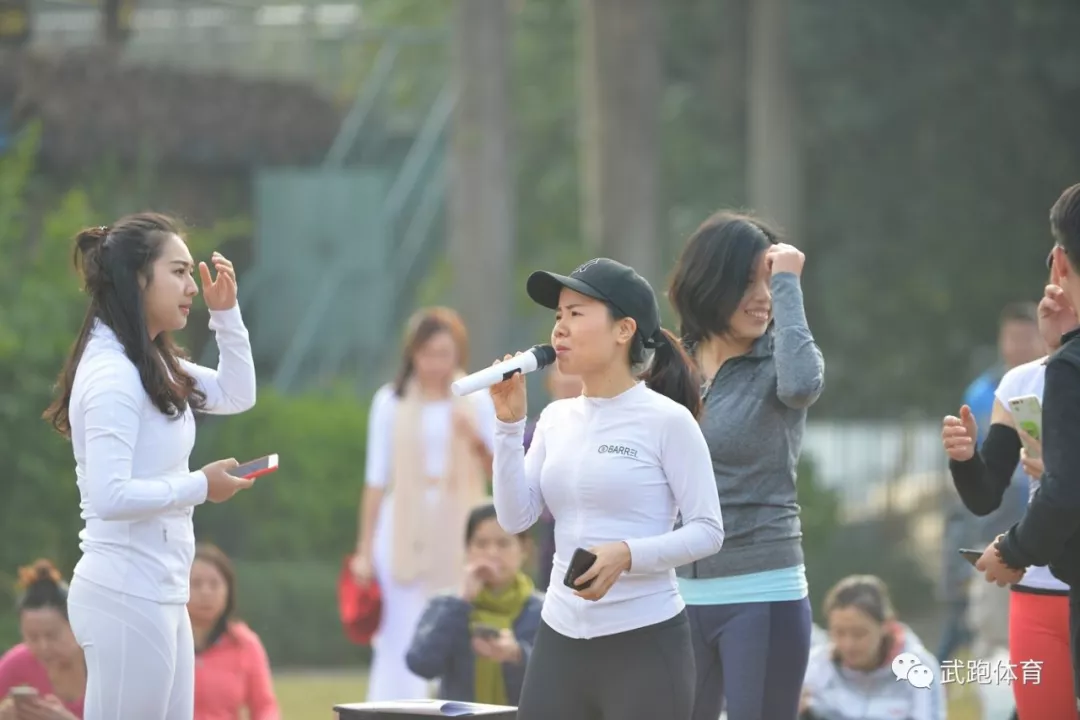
(818, 636)
(49, 660)
(852, 676)
(477, 641)
(232, 672)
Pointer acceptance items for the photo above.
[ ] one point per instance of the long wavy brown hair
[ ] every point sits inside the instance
(112, 261)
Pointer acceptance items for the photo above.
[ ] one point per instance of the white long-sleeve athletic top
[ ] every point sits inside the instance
(609, 470)
(137, 493)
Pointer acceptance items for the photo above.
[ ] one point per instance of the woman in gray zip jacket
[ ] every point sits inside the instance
(737, 294)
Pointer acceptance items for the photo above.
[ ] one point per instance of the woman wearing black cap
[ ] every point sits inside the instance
(614, 466)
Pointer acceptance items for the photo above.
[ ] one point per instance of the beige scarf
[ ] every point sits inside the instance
(429, 539)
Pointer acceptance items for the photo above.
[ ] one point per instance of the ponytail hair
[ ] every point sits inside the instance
(42, 586)
(672, 373)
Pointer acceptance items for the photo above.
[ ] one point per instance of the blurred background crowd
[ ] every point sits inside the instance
(360, 159)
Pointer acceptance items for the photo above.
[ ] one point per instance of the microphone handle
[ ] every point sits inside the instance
(482, 379)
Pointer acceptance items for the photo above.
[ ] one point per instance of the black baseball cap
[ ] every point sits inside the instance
(609, 281)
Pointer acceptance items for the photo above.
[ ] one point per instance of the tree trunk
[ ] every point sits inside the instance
(116, 21)
(620, 85)
(481, 183)
(774, 155)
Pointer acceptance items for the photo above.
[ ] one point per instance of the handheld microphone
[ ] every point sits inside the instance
(539, 356)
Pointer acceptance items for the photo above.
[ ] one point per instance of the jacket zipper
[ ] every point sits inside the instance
(706, 391)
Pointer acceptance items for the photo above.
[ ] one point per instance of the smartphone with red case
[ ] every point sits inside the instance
(255, 468)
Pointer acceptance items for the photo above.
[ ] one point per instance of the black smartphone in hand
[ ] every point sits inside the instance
(972, 556)
(485, 632)
(579, 565)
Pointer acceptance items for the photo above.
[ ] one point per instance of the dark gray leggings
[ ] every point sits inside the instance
(753, 655)
(642, 674)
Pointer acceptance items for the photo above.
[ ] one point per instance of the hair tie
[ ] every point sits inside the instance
(657, 340)
(37, 572)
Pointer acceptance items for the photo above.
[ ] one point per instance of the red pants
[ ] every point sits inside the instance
(1039, 630)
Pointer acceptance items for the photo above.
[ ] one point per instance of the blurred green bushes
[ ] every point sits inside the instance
(290, 532)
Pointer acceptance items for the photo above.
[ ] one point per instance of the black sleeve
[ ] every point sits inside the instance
(982, 480)
(1054, 513)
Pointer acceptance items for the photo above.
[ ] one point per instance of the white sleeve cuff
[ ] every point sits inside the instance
(643, 555)
(229, 319)
(191, 489)
(514, 428)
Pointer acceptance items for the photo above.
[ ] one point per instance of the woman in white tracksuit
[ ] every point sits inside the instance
(428, 460)
(125, 399)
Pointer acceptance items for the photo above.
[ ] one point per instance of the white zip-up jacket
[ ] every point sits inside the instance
(612, 469)
(136, 491)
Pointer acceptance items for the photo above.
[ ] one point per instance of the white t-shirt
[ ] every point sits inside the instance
(1029, 379)
(136, 491)
(610, 470)
(436, 423)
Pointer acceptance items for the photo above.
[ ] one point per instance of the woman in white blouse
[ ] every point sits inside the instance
(614, 466)
(428, 460)
(125, 399)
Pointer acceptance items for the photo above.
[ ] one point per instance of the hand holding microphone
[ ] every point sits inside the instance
(509, 396)
(506, 380)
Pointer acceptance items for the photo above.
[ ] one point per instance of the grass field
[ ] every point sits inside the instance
(963, 703)
(311, 696)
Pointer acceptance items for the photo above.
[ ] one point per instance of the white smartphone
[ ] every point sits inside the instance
(22, 691)
(1027, 414)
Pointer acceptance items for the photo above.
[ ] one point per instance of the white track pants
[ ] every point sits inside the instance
(140, 655)
(403, 604)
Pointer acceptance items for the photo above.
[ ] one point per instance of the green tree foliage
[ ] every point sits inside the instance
(937, 139)
(40, 310)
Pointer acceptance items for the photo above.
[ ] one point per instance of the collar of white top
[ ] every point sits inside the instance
(625, 395)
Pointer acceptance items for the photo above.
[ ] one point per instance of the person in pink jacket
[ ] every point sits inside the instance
(43, 677)
(232, 672)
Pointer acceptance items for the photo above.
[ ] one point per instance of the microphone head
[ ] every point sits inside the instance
(545, 355)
